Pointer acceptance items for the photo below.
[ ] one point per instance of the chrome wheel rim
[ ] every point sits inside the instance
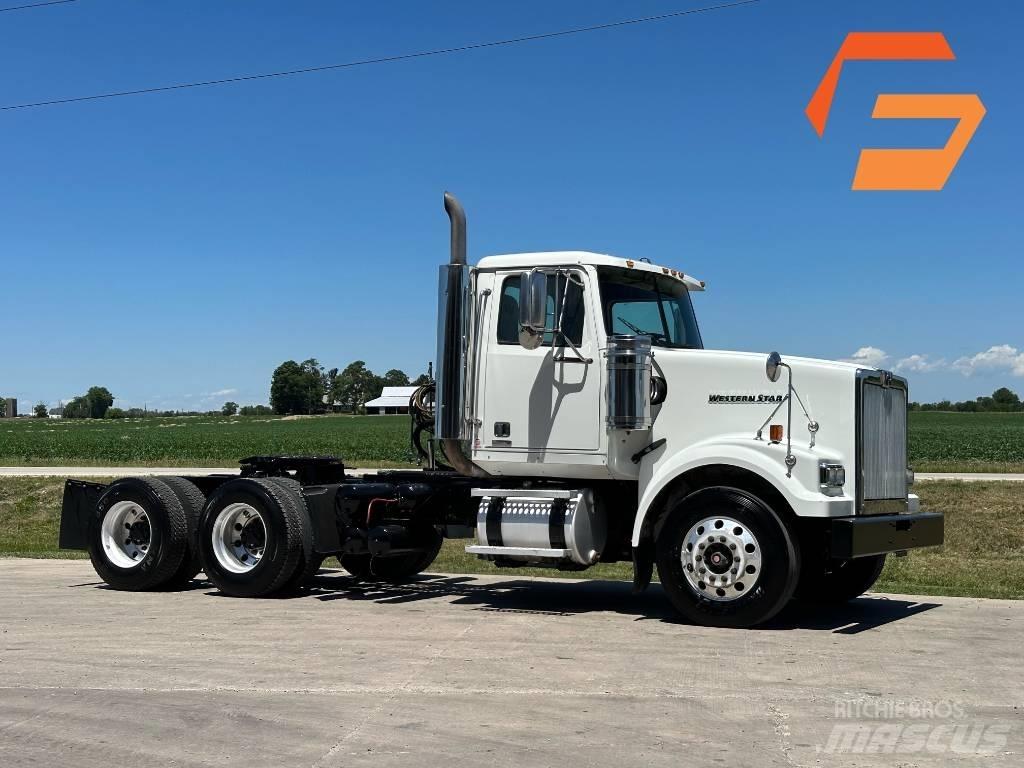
(126, 534)
(239, 537)
(721, 559)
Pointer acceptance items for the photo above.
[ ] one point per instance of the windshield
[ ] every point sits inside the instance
(647, 304)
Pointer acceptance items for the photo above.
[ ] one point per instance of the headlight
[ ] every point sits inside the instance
(833, 477)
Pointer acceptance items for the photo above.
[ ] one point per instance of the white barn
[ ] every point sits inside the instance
(391, 400)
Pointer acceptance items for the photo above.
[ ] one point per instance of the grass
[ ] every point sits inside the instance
(939, 442)
(983, 555)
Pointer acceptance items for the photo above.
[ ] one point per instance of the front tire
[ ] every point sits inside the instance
(138, 534)
(844, 581)
(726, 558)
(253, 537)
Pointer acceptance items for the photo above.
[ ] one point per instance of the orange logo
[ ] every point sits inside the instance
(902, 169)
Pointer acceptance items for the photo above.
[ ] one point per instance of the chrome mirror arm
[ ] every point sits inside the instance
(557, 330)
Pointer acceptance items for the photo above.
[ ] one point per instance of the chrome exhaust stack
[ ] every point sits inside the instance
(452, 417)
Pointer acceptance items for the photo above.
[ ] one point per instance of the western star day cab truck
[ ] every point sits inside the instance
(576, 419)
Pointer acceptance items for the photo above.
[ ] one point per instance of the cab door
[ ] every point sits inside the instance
(547, 399)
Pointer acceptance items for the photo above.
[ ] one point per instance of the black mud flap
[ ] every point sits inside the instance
(877, 535)
(643, 566)
(79, 504)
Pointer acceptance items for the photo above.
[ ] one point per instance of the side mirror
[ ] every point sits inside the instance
(533, 299)
(773, 366)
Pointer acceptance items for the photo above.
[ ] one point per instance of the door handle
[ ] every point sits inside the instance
(581, 361)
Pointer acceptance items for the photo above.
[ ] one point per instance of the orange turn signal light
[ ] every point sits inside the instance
(775, 433)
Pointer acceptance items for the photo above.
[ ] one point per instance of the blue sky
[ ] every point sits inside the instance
(177, 247)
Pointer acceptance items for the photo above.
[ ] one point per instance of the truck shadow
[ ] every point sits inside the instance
(571, 598)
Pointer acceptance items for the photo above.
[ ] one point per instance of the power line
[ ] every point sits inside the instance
(385, 59)
(36, 5)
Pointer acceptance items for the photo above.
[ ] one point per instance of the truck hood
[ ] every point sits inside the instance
(713, 394)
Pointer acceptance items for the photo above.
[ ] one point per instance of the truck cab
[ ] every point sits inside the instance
(542, 411)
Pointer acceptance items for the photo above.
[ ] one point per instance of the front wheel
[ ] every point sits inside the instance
(842, 582)
(726, 558)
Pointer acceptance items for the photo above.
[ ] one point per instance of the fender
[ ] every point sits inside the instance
(761, 458)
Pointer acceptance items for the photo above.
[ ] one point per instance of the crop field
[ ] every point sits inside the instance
(964, 442)
(203, 441)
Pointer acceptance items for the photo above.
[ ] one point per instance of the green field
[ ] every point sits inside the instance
(988, 564)
(939, 442)
(966, 442)
(203, 441)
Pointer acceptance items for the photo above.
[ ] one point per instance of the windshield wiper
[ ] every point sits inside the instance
(636, 330)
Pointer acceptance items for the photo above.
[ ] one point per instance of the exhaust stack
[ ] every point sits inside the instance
(458, 219)
(452, 416)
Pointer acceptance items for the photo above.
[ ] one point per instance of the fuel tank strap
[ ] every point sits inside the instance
(494, 509)
(556, 524)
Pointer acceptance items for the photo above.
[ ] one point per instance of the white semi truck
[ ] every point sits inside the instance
(576, 419)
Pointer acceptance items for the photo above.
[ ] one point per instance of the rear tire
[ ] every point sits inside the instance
(309, 565)
(192, 501)
(726, 559)
(138, 534)
(846, 580)
(252, 537)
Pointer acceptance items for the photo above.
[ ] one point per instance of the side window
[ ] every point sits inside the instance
(572, 320)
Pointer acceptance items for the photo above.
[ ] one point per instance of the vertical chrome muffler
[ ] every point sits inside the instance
(452, 417)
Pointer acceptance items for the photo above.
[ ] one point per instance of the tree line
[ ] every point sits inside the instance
(307, 388)
(1003, 400)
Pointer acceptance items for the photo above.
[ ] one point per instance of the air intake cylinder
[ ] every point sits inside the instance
(629, 364)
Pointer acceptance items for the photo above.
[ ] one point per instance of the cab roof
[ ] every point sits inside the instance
(583, 258)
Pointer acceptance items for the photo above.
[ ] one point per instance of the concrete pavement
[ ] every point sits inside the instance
(493, 671)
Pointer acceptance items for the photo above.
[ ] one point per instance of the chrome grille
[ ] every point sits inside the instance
(883, 440)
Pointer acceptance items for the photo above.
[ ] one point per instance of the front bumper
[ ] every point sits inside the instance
(879, 534)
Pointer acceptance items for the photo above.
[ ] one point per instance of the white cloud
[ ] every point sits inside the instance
(869, 357)
(223, 392)
(1001, 357)
(920, 364)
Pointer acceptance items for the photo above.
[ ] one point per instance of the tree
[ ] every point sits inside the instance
(354, 386)
(77, 408)
(421, 380)
(316, 384)
(229, 408)
(99, 400)
(289, 391)
(40, 410)
(115, 413)
(255, 410)
(395, 378)
(1005, 400)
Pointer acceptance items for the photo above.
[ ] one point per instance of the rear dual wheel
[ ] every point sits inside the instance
(138, 536)
(255, 538)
